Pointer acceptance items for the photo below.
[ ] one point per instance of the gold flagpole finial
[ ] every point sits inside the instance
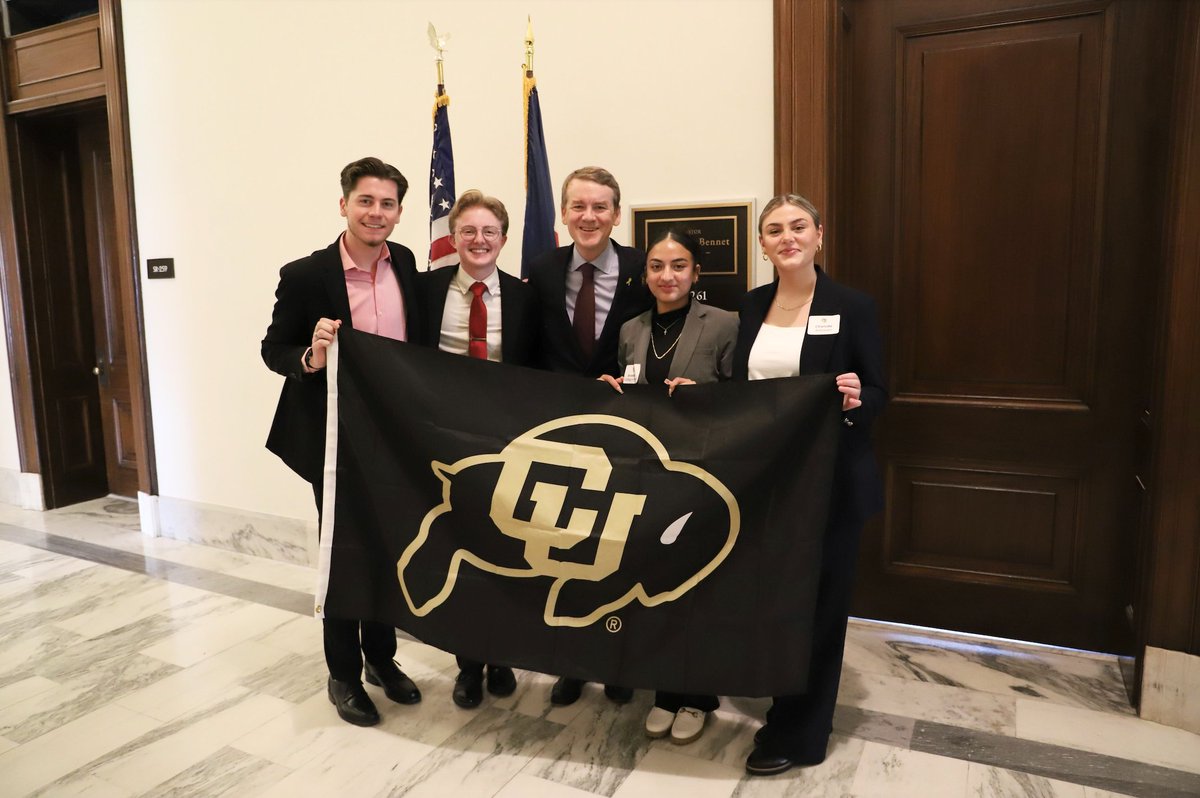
(438, 43)
(529, 46)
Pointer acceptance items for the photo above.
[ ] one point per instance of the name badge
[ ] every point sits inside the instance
(632, 372)
(824, 325)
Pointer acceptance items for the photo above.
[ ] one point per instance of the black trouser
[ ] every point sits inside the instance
(673, 702)
(472, 666)
(798, 726)
(349, 640)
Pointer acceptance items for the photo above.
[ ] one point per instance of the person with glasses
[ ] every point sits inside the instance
(475, 309)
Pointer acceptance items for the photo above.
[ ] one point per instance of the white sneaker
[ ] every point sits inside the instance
(658, 722)
(688, 725)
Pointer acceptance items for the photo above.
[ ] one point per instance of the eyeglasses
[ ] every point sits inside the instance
(489, 233)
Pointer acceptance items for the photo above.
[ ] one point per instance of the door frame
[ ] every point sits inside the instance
(108, 82)
(809, 39)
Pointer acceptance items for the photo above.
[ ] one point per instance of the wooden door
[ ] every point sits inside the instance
(54, 262)
(111, 362)
(999, 191)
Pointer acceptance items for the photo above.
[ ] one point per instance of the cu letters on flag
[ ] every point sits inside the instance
(593, 504)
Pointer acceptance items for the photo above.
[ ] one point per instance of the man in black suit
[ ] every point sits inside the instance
(586, 291)
(368, 283)
(606, 275)
(476, 309)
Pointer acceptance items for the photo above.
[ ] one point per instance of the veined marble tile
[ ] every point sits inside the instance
(203, 683)
(56, 567)
(63, 750)
(523, 786)
(217, 632)
(1073, 678)
(599, 748)
(663, 772)
(311, 733)
(1092, 792)
(172, 749)
(368, 765)
(84, 787)
(830, 779)
(7, 744)
(301, 635)
(146, 597)
(898, 773)
(956, 706)
(94, 688)
(247, 532)
(292, 678)
(75, 592)
(1105, 733)
(226, 773)
(113, 511)
(25, 689)
(477, 760)
(14, 556)
(893, 730)
(280, 574)
(22, 651)
(984, 781)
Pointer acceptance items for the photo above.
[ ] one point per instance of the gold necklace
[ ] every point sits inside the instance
(797, 307)
(654, 348)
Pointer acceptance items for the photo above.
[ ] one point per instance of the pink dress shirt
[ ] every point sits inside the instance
(376, 301)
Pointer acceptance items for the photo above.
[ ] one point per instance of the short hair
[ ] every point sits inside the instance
(477, 199)
(680, 236)
(594, 174)
(372, 167)
(789, 199)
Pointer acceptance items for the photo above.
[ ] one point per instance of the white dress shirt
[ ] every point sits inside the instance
(606, 277)
(456, 314)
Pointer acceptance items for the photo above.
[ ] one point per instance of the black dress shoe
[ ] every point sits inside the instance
(619, 695)
(396, 685)
(468, 689)
(565, 691)
(500, 680)
(352, 703)
(763, 763)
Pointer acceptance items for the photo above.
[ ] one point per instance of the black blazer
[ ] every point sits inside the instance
(559, 349)
(518, 313)
(309, 289)
(857, 347)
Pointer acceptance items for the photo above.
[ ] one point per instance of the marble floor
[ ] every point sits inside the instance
(133, 666)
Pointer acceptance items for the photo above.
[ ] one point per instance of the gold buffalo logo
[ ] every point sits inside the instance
(593, 502)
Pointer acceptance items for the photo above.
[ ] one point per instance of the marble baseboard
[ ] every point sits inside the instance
(21, 489)
(273, 537)
(1171, 688)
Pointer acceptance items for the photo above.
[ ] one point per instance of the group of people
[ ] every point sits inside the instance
(599, 310)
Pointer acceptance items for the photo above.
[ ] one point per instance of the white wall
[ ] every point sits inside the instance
(242, 113)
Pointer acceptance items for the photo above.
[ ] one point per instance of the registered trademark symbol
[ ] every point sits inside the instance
(612, 624)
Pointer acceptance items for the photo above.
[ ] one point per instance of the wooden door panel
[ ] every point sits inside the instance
(983, 267)
(968, 524)
(51, 236)
(99, 215)
(985, 202)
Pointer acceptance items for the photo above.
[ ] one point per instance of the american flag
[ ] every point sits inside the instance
(441, 187)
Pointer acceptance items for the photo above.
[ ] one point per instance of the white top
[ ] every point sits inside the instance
(776, 352)
(605, 277)
(456, 314)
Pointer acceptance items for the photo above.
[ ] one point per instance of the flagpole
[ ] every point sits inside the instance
(441, 169)
(538, 234)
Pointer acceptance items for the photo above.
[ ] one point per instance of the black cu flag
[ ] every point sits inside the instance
(546, 522)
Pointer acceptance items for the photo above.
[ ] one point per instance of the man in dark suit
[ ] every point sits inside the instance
(366, 282)
(476, 309)
(588, 289)
(585, 292)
